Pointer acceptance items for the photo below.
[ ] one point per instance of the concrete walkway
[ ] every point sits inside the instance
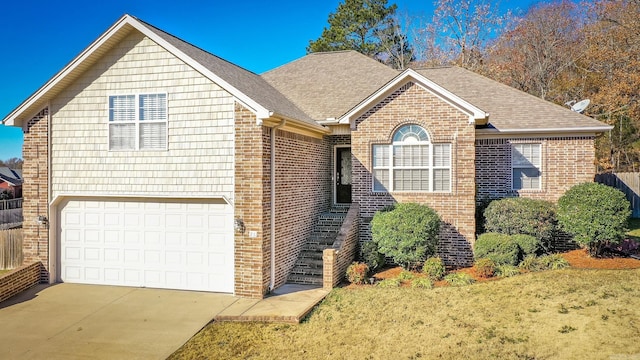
(72, 321)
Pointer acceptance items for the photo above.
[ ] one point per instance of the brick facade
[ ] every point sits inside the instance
(302, 193)
(566, 161)
(20, 279)
(412, 104)
(35, 172)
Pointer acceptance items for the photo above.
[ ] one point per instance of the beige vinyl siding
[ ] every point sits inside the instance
(199, 157)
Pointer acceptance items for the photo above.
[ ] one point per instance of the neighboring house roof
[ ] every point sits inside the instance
(249, 88)
(328, 84)
(511, 110)
(12, 177)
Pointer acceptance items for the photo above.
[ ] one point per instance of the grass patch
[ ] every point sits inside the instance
(2, 272)
(634, 228)
(517, 317)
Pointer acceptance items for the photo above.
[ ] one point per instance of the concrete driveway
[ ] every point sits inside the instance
(72, 321)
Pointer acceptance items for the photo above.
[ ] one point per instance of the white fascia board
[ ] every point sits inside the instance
(10, 120)
(547, 132)
(450, 98)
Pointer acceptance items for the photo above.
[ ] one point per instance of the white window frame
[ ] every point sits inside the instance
(136, 121)
(530, 165)
(389, 166)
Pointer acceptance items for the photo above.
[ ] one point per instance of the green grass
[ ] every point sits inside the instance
(4, 271)
(563, 314)
(634, 228)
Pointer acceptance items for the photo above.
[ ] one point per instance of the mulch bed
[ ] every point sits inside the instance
(578, 259)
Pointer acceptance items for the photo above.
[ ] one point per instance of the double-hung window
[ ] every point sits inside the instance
(411, 163)
(138, 122)
(526, 164)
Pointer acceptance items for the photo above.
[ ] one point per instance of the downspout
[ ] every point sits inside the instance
(272, 278)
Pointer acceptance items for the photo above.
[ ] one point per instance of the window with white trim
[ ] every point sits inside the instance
(526, 160)
(138, 122)
(411, 163)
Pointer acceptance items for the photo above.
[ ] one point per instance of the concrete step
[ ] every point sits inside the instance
(305, 280)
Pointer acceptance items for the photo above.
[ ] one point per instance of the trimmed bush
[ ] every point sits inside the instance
(594, 214)
(357, 273)
(529, 245)
(459, 279)
(530, 263)
(434, 268)
(522, 216)
(553, 262)
(422, 283)
(485, 267)
(498, 247)
(408, 233)
(507, 270)
(371, 256)
(405, 275)
(389, 283)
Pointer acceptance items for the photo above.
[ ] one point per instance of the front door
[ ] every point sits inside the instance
(343, 175)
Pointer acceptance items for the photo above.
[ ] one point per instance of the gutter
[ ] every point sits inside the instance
(272, 278)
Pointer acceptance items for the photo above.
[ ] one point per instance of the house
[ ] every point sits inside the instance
(10, 183)
(263, 156)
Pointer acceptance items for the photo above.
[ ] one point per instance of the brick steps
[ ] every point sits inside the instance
(308, 267)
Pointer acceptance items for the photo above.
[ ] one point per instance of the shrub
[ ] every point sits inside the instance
(594, 214)
(459, 279)
(434, 268)
(507, 270)
(522, 216)
(553, 262)
(422, 283)
(371, 256)
(485, 267)
(408, 233)
(357, 273)
(498, 247)
(389, 283)
(529, 245)
(530, 263)
(405, 275)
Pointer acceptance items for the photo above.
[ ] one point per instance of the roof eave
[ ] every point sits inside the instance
(585, 130)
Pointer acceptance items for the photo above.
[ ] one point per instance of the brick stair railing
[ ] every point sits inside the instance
(308, 267)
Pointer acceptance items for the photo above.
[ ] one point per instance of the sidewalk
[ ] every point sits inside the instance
(289, 303)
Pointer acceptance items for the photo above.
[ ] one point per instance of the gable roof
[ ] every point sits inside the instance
(328, 84)
(511, 110)
(13, 177)
(247, 87)
(409, 75)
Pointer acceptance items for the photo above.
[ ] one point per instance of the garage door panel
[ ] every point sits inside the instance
(157, 243)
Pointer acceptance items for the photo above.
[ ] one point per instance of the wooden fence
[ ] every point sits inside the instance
(10, 248)
(11, 204)
(628, 183)
(10, 212)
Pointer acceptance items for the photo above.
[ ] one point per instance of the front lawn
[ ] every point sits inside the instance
(573, 313)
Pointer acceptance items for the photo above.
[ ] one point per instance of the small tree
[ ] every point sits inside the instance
(594, 214)
(407, 233)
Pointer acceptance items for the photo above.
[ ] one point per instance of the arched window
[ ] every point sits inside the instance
(411, 163)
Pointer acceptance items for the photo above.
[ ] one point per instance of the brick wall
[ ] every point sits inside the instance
(20, 279)
(412, 104)
(35, 172)
(251, 254)
(303, 191)
(566, 161)
(337, 259)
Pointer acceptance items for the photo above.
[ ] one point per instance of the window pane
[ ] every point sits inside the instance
(122, 108)
(411, 133)
(380, 180)
(526, 178)
(153, 107)
(442, 155)
(380, 156)
(411, 180)
(411, 155)
(153, 136)
(526, 155)
(442, 180)
(122, 136)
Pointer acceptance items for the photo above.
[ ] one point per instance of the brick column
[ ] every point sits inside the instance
(35, 172)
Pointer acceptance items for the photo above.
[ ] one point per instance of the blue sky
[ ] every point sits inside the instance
(39, 37)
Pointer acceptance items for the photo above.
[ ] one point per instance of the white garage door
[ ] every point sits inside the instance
(150, 243)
